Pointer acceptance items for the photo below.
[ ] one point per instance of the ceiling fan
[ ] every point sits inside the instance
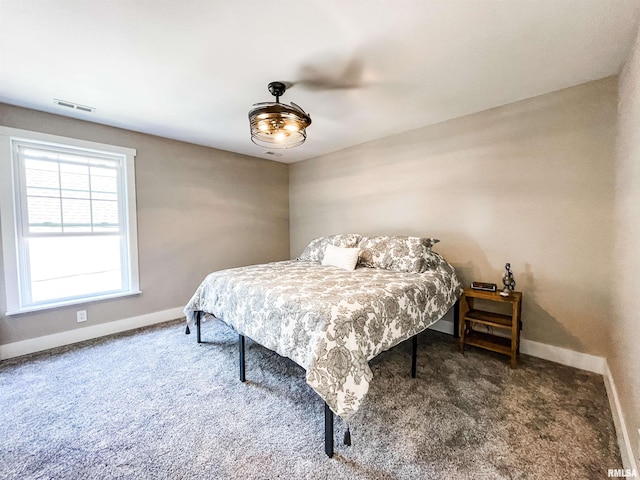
(278, 125)
(281, 125)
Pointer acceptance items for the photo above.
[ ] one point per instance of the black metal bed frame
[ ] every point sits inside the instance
(328, 413)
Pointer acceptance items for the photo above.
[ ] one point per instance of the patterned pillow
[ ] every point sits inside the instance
(432, 260)
(429, 242)
(314, 252)
(398, 253)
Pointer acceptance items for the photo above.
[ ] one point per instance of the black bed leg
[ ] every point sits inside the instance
(328, 431)
(198, 315)
(414, 355)
(241, 352)
(456, 320)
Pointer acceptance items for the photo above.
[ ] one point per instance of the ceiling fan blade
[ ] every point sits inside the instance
(326, 75)
(298, 107)
(262, 103)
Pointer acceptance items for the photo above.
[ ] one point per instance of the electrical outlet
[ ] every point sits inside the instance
(81, 315)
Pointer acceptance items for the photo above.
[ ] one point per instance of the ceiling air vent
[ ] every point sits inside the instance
(75, 106)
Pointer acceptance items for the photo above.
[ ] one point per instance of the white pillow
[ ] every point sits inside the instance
(340, 257)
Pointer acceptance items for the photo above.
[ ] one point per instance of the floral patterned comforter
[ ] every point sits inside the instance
(329, 321)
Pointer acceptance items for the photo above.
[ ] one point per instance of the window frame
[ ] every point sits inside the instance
(11, 216)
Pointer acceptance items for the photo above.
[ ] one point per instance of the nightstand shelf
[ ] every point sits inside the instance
(497, 320)
(473, 318)
(489, 342)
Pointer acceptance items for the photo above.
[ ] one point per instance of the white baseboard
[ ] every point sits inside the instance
(624, 441)
(46, 342)
(563, 356)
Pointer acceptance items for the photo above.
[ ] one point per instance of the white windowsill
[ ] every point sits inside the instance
(76, 301)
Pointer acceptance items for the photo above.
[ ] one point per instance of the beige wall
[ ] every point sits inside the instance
(529, 183)
(199, 210)
(624, 359)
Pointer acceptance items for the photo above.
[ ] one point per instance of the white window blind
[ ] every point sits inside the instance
(73, 212)
(68, 192)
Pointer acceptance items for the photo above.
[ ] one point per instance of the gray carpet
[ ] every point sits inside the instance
(153, 404)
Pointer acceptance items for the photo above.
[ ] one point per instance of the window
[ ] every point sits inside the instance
(67, 210)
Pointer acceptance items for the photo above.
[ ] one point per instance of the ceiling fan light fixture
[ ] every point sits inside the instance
(278, 125)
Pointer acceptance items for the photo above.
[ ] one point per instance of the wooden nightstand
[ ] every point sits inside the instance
(472, 318)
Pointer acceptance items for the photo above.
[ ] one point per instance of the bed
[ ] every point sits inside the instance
(332, 317)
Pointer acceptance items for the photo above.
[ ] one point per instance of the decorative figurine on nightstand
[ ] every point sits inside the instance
(508, 281)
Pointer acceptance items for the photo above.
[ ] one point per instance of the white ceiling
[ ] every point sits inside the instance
(190, 70)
